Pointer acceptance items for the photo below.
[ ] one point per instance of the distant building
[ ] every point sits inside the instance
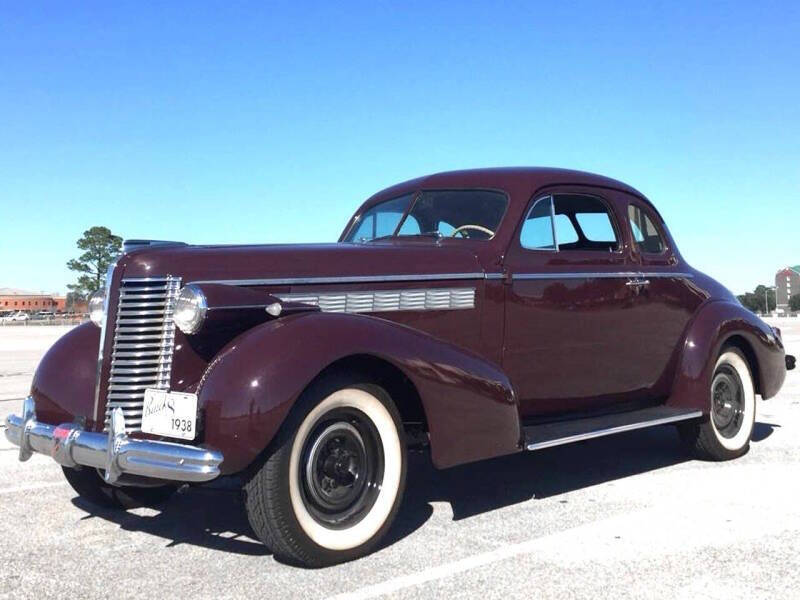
(13, 299)
(787, 284)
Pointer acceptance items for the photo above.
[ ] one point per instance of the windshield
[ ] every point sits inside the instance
(460, 214)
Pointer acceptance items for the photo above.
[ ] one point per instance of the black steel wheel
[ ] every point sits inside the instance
(343, 466)
(727, 431)
(727, 401)
(333, 478)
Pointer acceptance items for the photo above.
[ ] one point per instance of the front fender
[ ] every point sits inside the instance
(715, 324)
(251, 385)
(64, 383)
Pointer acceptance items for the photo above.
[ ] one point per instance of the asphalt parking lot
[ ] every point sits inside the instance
(624, 516)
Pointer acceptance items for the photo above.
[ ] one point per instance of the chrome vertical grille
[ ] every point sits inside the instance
(144, 339)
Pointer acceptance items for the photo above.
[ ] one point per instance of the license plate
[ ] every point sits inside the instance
(171, 414)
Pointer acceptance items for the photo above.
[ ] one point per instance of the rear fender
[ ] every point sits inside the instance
(252, 384)
(716, 324)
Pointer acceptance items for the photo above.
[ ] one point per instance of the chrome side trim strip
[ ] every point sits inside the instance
(667, 275)
(432, 277)
(238, 306)
(612, 430)
(388, 300)
(163, 280)
(601, 275)
(346, 279)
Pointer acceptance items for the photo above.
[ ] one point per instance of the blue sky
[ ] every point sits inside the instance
(271, 122)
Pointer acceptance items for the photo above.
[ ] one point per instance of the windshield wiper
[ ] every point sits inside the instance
(380, 237)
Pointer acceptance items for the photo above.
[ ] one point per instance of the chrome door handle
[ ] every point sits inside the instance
(637, 282)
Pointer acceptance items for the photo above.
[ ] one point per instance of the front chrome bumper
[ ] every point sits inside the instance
(114, 452)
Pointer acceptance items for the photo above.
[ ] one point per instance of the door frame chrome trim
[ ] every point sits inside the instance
(612, 430)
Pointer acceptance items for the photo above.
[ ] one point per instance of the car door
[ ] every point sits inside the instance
(568, 343)
(664, 301)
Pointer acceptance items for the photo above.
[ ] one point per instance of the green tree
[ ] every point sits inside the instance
(794, 303)
(100, 247)
(755, 300)
(72, 299)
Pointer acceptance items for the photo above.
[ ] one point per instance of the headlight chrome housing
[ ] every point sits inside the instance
(190, 309)
(97, 307)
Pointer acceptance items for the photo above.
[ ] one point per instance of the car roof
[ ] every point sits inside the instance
(530, 178)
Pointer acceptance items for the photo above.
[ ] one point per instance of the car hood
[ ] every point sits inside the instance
(296, 262)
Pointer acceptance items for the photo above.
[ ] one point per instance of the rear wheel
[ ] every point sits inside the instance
(726, 434)
(334, 478)
(91, 487)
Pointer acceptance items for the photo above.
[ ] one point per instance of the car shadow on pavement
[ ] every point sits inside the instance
(489, 485)
(762, 431)
(213, 516)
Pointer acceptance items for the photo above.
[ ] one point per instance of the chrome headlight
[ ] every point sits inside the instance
(190, 309)
(97, 306)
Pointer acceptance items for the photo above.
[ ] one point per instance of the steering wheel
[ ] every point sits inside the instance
(463, 228)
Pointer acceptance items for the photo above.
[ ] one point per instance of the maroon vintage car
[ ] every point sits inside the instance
(481, 312)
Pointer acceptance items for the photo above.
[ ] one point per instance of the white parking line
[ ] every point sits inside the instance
(31, 486)
(626, 536)
(440, 572)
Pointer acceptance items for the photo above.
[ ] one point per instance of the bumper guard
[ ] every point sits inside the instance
(114, 452)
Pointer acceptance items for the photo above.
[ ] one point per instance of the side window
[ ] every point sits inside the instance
(645, 233)
(537, 230)
(565, 231)
(570, 222)
(596, 227)
(588, 224)
(409, 227)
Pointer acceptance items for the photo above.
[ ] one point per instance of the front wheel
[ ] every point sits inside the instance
(334, 477)
(726, 434)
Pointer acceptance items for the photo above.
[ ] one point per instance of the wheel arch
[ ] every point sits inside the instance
(717, 324)
(737, 340)
(386, 374)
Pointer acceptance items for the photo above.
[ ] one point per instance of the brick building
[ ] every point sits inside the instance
(13, 299)
(787, 284)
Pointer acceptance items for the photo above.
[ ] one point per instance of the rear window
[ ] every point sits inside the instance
(645, 234)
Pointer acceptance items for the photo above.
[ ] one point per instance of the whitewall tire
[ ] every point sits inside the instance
(334, 477)
(727, 432)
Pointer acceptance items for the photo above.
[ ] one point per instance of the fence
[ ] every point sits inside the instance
(76, 320)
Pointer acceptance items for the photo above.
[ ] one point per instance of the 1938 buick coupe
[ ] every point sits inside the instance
(482, 312)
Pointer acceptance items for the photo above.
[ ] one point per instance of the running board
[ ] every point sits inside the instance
(566, 432)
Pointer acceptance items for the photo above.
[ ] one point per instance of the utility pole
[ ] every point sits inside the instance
(766, 298)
